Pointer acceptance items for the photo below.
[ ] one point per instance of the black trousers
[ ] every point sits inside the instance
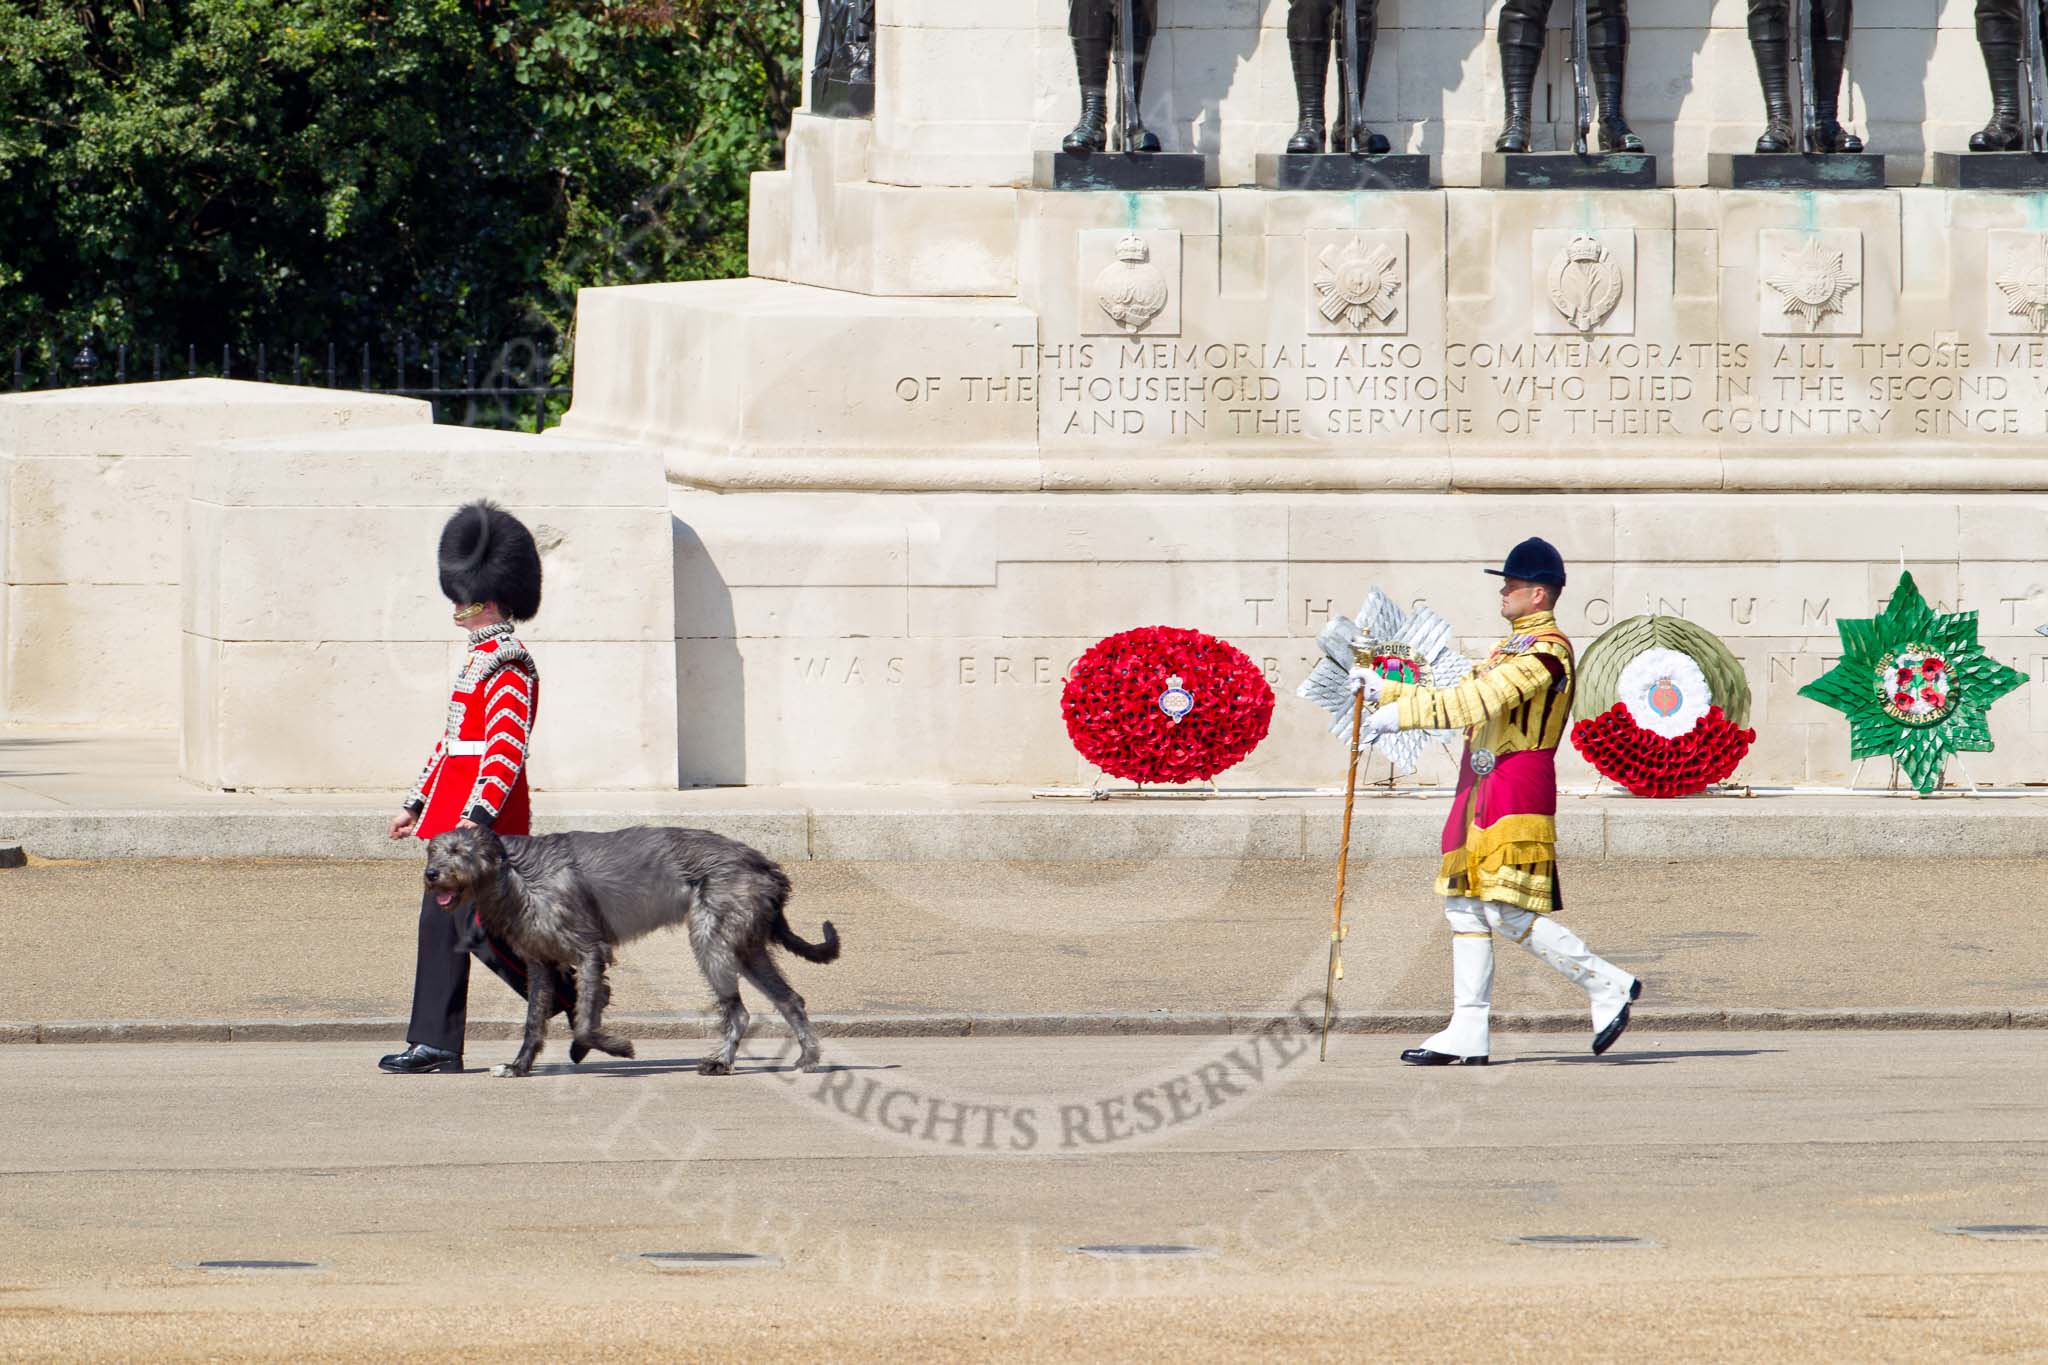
(1998, 21)
(1097, 20)
(1522, 23)
(1771, 20)
(440, 979)
(1312, 20)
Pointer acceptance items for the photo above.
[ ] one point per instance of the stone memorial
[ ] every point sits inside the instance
(956, 427)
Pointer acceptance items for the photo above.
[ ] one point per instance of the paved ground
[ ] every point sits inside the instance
(317, 940)
(1789, 1188)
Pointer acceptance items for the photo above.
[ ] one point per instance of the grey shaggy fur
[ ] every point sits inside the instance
(565, 901)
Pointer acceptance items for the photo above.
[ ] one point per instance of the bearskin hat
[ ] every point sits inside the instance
(488, 555)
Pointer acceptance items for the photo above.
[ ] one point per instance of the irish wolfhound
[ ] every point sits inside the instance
(565, 901)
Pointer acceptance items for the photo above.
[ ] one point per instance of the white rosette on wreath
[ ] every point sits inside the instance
(1411, 647)
(1665, 692)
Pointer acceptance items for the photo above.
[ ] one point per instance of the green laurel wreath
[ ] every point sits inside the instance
(1860, 685)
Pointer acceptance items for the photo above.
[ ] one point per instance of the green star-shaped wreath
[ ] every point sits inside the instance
(1915, 684)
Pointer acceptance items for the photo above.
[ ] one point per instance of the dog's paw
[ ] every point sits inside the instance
(509, 1069)
(621, 1047)
(711, 1066)
(578, 1050)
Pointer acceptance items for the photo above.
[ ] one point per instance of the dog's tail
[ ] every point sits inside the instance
(828, 951)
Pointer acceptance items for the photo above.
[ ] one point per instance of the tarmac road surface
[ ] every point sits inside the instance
(147, 939)
(922, 1202)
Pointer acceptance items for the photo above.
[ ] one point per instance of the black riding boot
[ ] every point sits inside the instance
(1369, 142)
(1140, 138)
(1091, 134)
(1610, 64)
(1829, 58)
(1517, 77)
(2002, 68)
(1311, 78)
(1773, 73)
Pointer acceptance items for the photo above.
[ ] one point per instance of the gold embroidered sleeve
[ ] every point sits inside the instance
(1478, 698)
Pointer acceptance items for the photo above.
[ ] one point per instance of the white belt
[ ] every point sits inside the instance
(464, 748)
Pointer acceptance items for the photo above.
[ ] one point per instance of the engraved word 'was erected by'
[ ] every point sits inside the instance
(1585, 283)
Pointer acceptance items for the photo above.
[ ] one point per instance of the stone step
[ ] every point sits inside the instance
(980, 824)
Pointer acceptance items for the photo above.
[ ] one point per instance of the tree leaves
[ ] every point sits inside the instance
(281, 171)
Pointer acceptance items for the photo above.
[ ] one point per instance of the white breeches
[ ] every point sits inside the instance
(1473, 925)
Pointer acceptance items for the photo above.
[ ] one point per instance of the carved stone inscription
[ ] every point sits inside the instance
(1359, 358)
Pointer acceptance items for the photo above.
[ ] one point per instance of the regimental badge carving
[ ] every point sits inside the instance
(1585, 282)
(1130, 289)
(1357, 285)
(2023, 279)
(1814, 281)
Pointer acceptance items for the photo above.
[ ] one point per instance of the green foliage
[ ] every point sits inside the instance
(300, 171)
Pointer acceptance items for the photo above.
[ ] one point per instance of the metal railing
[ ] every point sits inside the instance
(468, 385)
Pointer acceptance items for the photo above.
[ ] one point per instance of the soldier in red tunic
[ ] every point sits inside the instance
(490, 570)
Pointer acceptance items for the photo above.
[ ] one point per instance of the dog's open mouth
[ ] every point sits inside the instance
(444, 899)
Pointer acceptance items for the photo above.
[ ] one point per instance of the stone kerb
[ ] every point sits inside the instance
(93, 483)
(317, 649)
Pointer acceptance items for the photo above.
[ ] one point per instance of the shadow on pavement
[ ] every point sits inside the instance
(1640, 1058)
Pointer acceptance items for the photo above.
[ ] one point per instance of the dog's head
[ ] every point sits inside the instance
(461, 861)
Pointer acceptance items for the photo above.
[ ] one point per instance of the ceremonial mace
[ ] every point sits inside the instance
(1336, 972)
(1582, 78)
(2034, 72)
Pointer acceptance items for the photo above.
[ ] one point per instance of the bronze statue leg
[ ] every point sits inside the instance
(1998, 38)
(1521, 52)
(1607, 49)
(1770, 44)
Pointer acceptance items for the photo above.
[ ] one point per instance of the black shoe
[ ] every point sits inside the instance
(1611, 1035)
(419, 1060)
(1830, 136)
(1617, 136)
(2002, 134)
(1422, 1056)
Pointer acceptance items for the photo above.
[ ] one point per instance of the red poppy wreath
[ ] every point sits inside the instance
(1648, 764)
(1160, 704)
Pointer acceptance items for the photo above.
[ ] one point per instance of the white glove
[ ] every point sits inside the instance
(1384, 721)
(1367, 681)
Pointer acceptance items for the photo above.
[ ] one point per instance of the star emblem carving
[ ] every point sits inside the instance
(2024, 282)
(1357, 284)
(1813, 281)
